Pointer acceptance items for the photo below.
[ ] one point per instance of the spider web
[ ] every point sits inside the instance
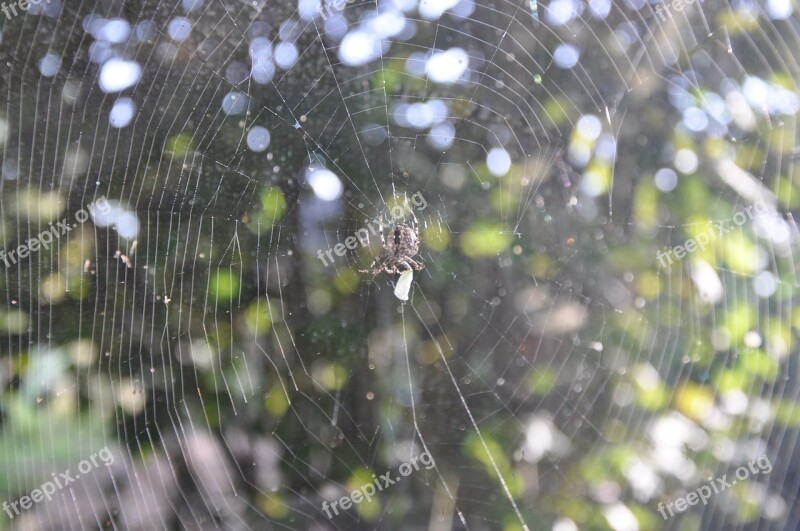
(558, 376)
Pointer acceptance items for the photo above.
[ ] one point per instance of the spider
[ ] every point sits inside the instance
(397, 254)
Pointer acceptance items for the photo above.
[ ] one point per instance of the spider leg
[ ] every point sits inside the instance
(374, 267)
(411, 264)
(377, 264)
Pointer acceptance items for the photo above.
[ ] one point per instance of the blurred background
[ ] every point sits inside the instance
(563, 363)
